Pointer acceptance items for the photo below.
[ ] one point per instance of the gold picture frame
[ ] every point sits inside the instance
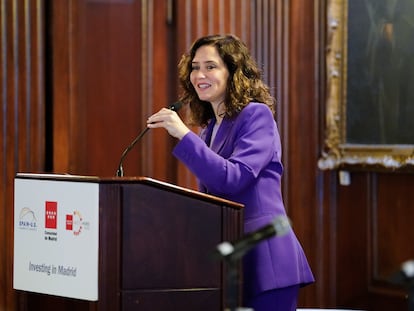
(368, 146)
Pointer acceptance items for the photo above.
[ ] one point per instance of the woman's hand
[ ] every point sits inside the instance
(169, 120)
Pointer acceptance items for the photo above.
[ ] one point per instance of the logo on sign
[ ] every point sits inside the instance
(69, 222)
(27, 219)
(51, 215)
(51, 220)
(75, 223)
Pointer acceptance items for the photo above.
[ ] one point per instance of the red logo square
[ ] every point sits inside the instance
(69, 222)
(51, 215)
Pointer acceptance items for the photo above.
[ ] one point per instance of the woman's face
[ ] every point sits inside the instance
(209, 75)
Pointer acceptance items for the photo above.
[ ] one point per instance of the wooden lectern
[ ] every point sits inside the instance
(155, 247)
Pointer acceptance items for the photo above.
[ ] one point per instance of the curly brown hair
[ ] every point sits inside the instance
(244, 84)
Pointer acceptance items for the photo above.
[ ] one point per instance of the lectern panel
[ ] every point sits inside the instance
(168, 240)
(172, 300)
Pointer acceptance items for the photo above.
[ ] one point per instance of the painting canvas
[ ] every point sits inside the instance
(370, 66)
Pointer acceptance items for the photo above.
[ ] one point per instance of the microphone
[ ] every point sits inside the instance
(404, 276)
(278, 227)
(120, 171)
(235, 250)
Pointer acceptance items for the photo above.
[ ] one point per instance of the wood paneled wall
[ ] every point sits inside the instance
(372, 224)
(78, 79)
(301, 140)
(22, 115)
(100, 76)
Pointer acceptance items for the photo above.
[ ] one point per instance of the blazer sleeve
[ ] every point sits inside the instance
(252, 144)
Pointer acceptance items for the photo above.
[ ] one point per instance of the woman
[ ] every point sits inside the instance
(238, 157)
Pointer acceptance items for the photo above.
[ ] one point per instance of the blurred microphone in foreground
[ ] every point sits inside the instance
(279, 227)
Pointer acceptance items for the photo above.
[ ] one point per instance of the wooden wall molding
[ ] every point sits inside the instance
(22, 115)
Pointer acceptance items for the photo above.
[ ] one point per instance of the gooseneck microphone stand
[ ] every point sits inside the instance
(120, 170)
(233, 278)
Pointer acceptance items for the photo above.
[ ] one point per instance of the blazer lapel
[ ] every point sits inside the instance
(222, 134)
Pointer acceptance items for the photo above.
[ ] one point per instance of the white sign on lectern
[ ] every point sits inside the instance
(56, 237)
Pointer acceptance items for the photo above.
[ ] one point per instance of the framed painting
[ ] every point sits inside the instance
(370, 84)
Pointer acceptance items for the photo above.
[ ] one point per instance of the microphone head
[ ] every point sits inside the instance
(282, 225)
(408, 268)
(175, 106)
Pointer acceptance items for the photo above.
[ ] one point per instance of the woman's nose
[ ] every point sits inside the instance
(200, 74)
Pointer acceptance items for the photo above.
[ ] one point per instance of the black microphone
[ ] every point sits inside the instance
(120, 171)
(278, 227)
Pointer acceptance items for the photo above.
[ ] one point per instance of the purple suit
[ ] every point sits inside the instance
(244, 165)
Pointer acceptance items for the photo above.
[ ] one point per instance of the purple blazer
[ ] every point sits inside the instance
(244, 165)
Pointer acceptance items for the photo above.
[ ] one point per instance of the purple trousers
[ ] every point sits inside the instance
(281, 299)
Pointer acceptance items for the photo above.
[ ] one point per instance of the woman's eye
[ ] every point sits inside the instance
(210, 67)
(195, 68)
